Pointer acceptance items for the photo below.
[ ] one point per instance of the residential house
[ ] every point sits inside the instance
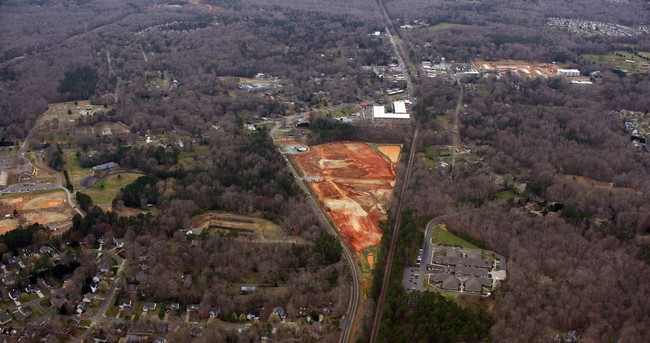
(119, 243)
(247, 289)
(451, 283)
(14, 294)
(88, 297)
(473, 285)
(281, 312)
(192, 307)
(46, 249)
(5, 319)
(214, 312)
(97, 278)
(147, 307)
(125, 303)
(81, 307)
(32, 288)
(253, 315)
(9, 279)
(100, 337)
(57, 302)
(173, 307)
(461, 270)
(118, 328)
(160, 340)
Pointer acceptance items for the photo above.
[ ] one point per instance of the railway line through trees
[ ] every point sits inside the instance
(411, 71)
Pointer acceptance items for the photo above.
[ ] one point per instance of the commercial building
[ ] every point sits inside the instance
(568, 72)
(379, 112)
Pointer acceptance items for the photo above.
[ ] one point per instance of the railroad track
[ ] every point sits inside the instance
(411, 71)
(393, 239)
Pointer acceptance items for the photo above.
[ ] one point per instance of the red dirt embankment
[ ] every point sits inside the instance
(355, 187)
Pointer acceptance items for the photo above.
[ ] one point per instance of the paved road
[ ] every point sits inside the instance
(100, 316)
(347, 324)
(29, 187)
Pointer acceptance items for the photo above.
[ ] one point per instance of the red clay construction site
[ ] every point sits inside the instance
(529, 69)
(354, 183)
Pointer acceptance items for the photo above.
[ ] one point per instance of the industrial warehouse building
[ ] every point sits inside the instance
(379, 112)
(568, 72)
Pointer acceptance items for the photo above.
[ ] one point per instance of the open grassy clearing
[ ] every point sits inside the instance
(247, 80)
(444, 26)
(186, 158)
(619, 58)
(76, 172)
(505, 195)
(104, 192)
(443, 237)
(339, 112)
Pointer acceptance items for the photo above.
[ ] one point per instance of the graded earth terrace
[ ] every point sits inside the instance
(354, 183)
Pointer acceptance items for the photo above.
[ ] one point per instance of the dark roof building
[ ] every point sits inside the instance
(473, 285)
(5, 319)
(471, 271)
(451, 283)
(281, 312)
(105, 166)
(146, 307)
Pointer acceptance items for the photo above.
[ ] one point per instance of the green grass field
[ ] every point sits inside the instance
(619, 58)
(104, 192)
(444, 237)
(444, 26)
(77, 173)
(505, 195)
(186, 158)
(340, 112)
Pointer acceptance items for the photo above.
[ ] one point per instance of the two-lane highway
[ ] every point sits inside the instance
(348, 323)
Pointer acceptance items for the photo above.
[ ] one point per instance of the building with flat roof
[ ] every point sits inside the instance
(399, 107)
(379, 112)
(568, 72)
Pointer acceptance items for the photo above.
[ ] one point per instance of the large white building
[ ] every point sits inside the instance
(379, 112)
(568, 72)
(399, 106)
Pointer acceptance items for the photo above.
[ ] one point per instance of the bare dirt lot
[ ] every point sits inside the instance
(249, 226)
(355, 186)
(392, 151)
(530, 69)
(7, 225)
(43, 208)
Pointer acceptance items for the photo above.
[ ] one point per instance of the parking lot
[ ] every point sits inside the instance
(413, 279)
(29, 187)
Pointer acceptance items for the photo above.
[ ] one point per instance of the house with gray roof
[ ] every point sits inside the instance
(461, 270)
(451, 283)
(473, 285)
